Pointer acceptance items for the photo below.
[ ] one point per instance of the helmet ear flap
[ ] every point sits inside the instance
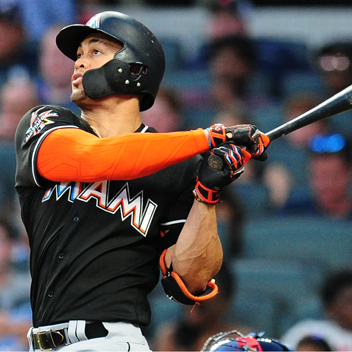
(117, 77)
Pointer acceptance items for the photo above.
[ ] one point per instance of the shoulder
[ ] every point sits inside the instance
(43, 118)
(47, 114)
(52, 108)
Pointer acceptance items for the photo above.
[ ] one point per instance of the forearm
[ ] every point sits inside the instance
(71, 154)
(197, 255)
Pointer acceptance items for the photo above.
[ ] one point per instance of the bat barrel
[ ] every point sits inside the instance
(338, 103)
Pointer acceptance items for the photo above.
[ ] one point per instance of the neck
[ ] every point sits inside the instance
(113, 116)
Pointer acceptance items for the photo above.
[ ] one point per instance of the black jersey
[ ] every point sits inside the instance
(95, 247)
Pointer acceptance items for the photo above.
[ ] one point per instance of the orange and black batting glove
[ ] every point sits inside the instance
(261, 143)
(219, 167)
(245, 135)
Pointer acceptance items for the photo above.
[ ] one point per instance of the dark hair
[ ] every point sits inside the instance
(334, 284)
(243, 45)
(10, 12)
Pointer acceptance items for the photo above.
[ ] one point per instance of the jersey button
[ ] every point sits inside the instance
(61, 255)
(76, 219)
(50, 294)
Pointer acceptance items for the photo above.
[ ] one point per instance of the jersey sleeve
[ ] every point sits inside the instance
(35, 125)
(52, 144)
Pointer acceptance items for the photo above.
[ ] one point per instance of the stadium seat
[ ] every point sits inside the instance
(258, 311)
(268, 117)
(173, 52)
(281, 287)
(299, 82)
(253, 197)
(287, 280)
(186, 79)
(310, 239)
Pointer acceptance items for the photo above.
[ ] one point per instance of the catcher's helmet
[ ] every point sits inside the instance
(141, 50)
(235, 341)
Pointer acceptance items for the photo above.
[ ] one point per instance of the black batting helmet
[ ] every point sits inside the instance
(235, 341)
(137, 68)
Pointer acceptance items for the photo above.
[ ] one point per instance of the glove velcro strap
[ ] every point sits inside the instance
(262, 141)
(217, 135)
(205, 195)
(176, 290)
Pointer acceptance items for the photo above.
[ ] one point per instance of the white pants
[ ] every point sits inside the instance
(121, 337)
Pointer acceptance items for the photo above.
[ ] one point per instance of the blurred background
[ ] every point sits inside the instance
(285, 224)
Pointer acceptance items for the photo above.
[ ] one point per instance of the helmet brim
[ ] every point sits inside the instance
(70, 37)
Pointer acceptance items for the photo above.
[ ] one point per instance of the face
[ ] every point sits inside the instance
(330, 176)
(12, 108)
(11, 38)
(94, 51)
(229, 65)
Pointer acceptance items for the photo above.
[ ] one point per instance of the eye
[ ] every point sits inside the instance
(96, 52)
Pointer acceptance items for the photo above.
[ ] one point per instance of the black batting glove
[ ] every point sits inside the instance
(245, 135)
(219, 168)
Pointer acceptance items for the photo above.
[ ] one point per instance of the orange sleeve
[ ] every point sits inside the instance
(70, 154)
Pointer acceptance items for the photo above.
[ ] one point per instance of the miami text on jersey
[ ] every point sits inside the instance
(141, 217)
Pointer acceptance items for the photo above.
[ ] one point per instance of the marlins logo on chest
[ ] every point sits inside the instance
(141, 216)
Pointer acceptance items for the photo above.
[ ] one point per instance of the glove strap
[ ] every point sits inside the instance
(205, 195)
(217, 135)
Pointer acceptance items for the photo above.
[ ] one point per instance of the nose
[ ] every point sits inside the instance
(81, 62)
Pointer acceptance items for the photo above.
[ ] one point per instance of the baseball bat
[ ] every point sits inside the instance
(338, 103)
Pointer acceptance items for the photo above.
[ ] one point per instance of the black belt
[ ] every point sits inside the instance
(49, 339)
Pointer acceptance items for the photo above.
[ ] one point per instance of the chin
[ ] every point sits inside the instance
(78, 96)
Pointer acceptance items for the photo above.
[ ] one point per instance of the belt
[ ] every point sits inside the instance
(48, 339)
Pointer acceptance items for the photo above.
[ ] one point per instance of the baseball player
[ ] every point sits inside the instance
(106, 201)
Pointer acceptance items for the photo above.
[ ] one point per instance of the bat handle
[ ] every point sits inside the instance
(274, 134)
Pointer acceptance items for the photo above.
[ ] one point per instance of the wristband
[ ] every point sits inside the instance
(176, 290)
(205, 195)
(217, 135)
